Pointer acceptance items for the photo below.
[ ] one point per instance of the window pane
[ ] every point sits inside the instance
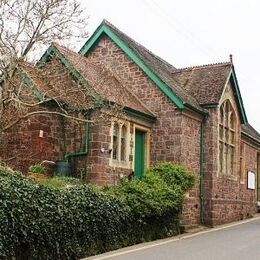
(221, 137)
(221, 157)
(231, 160)
(123, 144)
(115, 141)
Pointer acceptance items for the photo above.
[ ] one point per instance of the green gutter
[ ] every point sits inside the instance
(139, 114)
(28, 81)
(195, 109)
(251, 138)
(239, 97)
(202, 177)
(210, 105)
(85, 145)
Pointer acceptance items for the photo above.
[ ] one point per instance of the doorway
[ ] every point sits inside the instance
(139, 163)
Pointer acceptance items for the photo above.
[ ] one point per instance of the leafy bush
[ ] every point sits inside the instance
(42, 223)
(155, 199)
(174, 174)
(44, 220)
(37, 168)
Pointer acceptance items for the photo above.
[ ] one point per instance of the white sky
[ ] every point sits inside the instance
(188, 32)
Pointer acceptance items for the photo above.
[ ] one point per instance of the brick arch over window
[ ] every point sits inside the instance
(227, 137)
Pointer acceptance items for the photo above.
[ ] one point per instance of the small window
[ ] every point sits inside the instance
(242, 163)
(115, 141)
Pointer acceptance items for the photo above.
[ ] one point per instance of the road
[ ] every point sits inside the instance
(237, 242)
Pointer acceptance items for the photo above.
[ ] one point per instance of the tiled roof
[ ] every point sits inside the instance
(248, 130)
(75, 95)
(72, 93)
(103, 81)
(162, 68)
(205, 82)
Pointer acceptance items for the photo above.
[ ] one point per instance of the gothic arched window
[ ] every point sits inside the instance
(227, 135)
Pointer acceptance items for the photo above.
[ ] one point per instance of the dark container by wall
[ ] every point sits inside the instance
(63, 168)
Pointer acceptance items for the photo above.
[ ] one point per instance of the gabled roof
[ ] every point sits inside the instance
(99, 82)
(207, 84)
(74, 96)
(250, 132)
(158, 70)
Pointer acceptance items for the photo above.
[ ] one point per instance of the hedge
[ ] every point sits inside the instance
(38, 222)
(42, 222)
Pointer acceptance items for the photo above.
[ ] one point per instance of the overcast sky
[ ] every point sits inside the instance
(188, 32)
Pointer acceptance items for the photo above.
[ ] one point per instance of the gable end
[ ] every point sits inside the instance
(104, 29)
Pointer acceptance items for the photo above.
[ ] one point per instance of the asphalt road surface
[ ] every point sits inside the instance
(236, 242)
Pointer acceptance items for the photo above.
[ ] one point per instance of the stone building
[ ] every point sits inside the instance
(194, 116)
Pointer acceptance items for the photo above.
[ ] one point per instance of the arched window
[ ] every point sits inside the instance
(123, 143)
(115, 141)
(227, 122)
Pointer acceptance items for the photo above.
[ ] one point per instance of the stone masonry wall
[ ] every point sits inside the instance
(226, 197)
(168, 134)
(38, 138)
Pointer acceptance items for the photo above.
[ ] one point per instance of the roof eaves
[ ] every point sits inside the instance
(139, 114)
(204, 113)
(29, 82)
(103, 28)
(250, 137)
(239, 97)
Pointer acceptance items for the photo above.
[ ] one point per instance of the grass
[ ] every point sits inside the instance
(60, 182)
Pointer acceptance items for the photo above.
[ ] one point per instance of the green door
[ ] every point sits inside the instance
(139, 153)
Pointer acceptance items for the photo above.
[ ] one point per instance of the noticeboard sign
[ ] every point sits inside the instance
(250, 180)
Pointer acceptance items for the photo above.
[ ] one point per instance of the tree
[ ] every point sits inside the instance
(26, 27)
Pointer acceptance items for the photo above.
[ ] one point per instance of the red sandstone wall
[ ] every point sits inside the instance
(226, 198)
(22, 146)
(174, 136)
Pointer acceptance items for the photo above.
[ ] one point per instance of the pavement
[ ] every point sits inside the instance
(239, 240)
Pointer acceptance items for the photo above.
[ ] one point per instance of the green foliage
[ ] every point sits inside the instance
(174, 174)
(42, 223)
(61, 218)
(148, 196)
(60, 182)
(155, 199)
(37, 168)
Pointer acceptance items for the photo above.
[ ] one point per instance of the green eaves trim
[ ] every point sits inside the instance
(210, 105)
(134, 57)
(239, 98)
(53, 50)
(28, 81)
(195, 109)
(139, 114)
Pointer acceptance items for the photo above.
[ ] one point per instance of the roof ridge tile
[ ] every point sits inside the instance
(217, 64)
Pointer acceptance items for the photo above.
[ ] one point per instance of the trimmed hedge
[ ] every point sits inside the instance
(46, 222)
(38, 222)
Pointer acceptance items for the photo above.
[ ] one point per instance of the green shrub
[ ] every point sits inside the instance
(44, 220)
(174, 174)
(155, 199)
(148, 196)
(42, 223)
(37, 168)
